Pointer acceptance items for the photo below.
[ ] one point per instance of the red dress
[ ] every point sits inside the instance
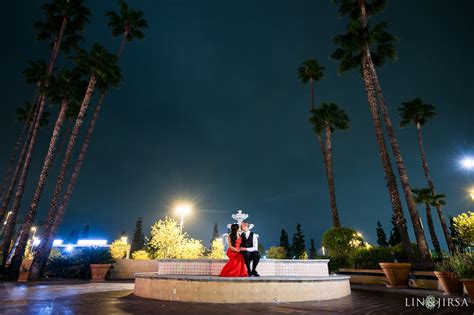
(235, 267)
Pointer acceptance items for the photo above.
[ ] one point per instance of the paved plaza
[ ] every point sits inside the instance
(81, 297)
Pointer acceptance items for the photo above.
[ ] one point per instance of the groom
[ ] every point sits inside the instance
(249, 248)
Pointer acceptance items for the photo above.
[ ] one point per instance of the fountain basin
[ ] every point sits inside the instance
(212, 289)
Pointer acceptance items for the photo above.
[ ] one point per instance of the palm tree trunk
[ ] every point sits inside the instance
(434, 238)
(402, 172)
(9, 228)
(371, 78)
(14, 267)
(41, 254)
(75, 174)
(13, 158)
(387, 165)
(67, 133)
(442, 219)
(330, 177)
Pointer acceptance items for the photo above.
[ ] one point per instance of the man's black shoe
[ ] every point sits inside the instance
(255, 274)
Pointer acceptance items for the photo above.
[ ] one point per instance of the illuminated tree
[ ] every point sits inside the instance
(217, 249)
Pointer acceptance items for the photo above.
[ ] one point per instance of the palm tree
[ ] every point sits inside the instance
(63, 89)
(58, 14)
(311, 71)
(127, 23)
(425, 196)
(350, 55)
(370, 47)
(102, 68)
(418, 113)
(326, 119)
(33, 74)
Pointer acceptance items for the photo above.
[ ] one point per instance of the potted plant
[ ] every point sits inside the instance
(397, 273)
(447, 278)
(98, 259)
(463, 267)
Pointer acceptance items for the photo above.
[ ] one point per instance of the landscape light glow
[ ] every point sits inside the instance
(69, 248)
(37, 241)
(467, 163)
(92, 242)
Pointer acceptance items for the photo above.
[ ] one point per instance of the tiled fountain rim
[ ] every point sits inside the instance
(155, 275)
(293, 261)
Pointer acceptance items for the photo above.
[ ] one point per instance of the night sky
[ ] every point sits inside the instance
(211, 111)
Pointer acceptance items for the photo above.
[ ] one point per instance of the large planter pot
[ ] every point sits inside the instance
(23, 276)
(396, 273)
(449, 283)
(469, 285)
(99, 271)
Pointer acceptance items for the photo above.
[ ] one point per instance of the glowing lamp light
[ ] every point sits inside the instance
(69, 248)
(36, 242)
(183, 209)
(468, 163)
(124, 239)
(92, 242)
(57, 242)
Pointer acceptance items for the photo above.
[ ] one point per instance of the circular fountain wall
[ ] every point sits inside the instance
(212, 289)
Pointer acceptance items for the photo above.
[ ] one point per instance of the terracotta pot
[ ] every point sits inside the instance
(449, 283)
(396, 273)
(99, 271)
(469, 285)
(23, 276)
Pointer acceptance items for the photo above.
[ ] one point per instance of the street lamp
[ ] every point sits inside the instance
(33, 229)
(182, 210)
(468, 163)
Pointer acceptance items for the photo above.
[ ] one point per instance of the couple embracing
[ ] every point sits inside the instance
(243, 250)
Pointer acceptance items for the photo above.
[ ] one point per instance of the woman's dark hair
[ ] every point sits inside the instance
(233, 233)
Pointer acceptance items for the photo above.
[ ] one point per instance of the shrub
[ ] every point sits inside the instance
(217, 249)
(277, 252)
(118, 249)
(401, 256)
(463, 265)
(140, 254)
(369, 258)
(167, 241)
(77, 265)
(341, 241)
(464, 228)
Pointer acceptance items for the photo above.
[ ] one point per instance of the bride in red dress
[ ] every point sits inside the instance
(235, 267)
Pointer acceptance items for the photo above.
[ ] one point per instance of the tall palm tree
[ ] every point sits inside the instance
(128, 23)
(374, 46)
(35, 73)
(311, 71)
(59, 13)
(425, 196)
(351, 56)
(418, 113)
(102, 68)
(327, 119)
(64, 88)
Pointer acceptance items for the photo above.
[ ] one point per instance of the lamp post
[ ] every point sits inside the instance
(182, 210)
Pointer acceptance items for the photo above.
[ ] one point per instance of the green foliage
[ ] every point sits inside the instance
(369, 258)
(128, 20)
(463, 265)
(138, 241)
(311, 70)
(140, 254)
(312, 250)
(341, 241)
(217, 249)
(277, 252)
(445, 265)
(417, 112)
(401, 256)
(118, 249)
(464, 226)
(328, 115)
(395, 237)
(298, 247)
(77, 265)
(167, 241)
(25, 114)
(381, 236)
(284, 242)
